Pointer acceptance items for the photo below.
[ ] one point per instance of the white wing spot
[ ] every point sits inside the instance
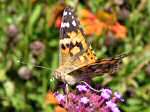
(65, 13)
(62, 25)
(67, 25)
(65, 41)
(73, 23)
(69, 13)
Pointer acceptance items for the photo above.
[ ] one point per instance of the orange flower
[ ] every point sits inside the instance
(50, 98)
(90, 23)
(92, 27)
(119, 30)
(108, 18)
(60, 109)
(86, 14)
(110, 21)
(96, 25)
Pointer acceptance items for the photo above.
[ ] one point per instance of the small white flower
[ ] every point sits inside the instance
(84, 100)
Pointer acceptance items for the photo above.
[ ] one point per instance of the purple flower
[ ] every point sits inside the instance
(87, 100)
(106, 93)
(112, 106)
(60, 97)
(96, 100)
(116, 109)
(84, 100)
(81, 88)
(118, 96)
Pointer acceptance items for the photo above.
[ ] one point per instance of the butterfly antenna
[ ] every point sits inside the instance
(38, 66)
(91, 87)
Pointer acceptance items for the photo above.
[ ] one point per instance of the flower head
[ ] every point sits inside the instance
(113, 107)
(87, 100)
(25, 73)
(106, 93)
(37, 48)
(81, 88)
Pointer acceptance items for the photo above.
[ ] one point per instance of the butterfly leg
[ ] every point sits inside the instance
(67, 92)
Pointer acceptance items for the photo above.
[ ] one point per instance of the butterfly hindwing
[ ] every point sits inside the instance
(109, 65)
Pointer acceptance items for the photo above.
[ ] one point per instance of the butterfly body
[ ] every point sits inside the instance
(77, 59)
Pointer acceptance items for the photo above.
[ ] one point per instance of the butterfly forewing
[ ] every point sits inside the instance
(74, 48)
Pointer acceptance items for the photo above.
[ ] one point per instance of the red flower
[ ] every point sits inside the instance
(58, 22)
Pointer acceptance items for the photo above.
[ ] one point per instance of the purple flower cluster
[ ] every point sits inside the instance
(84, 99)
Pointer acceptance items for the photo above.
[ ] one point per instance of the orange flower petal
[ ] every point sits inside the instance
(108, 18)
(87, 14)
(50, 99)
(87, 21)
(60, 109)
(119, 30)
(58, 22)
(92, 26)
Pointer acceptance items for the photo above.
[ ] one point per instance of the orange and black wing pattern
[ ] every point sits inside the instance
(74, 49)
(109, 65)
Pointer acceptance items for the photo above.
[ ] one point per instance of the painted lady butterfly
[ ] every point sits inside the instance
(77, 59)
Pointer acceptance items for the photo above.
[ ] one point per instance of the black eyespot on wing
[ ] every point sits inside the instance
(71, 45)
(63, 46)
(79, 44)
(68, 45)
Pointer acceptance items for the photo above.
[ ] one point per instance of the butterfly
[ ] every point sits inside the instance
(76, 57)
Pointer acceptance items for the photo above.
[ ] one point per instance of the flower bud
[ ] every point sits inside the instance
(25, 73)
(12, 31)
(37, 48)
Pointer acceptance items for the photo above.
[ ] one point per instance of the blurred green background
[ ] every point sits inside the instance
(29, 33)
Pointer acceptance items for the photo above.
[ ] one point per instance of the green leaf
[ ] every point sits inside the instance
(9, 88)
(2, 75)
(34, 17)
